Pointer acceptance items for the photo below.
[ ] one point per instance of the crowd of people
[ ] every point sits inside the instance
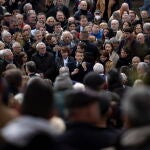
(74, 75)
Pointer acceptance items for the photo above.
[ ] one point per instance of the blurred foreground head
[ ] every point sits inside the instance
(136, 107)
(38, 99)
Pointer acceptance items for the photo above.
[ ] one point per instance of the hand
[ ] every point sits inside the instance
(56, 48)
(84, 66)
(75, 71)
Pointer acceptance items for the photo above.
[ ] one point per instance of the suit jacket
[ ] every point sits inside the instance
(60, 62)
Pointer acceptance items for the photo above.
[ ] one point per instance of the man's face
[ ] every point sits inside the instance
(8, 38)
(42, 49)
(67, 38)
(95, 29)
(38, 37)
(140, 38)
(60, 16)
(83, 22)
(32, 18)
(79, 56)
(114, 25)
(83, 5)
(19, 19)
(135, 61)
(42, 18)
(9, 56)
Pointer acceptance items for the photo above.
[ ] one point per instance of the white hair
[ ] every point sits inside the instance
(146, 26)
(4, 34)
(98, 68)
(39, 44)
(26, 5)
(15, 44)
(66, 32)
(79, 86)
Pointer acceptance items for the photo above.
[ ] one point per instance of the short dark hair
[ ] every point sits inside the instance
(93, 81)
(38, 99)
(128, 29)
(80, 99)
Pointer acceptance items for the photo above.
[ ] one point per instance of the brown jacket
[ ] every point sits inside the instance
(108, 66)
(101, 6)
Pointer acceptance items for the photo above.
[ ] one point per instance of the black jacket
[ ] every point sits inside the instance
(84, 136)
(45, 64)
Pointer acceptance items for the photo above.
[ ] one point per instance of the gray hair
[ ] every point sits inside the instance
(136, 106)
(39, 44)
(4, 34)
(143, 65)
(15, 44)
(98, 68)
(66, 32)
(26, 5)
(146, 27)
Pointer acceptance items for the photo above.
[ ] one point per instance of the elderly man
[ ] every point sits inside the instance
(7, 59)
(44, 61)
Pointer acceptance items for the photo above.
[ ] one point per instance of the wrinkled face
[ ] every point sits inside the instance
(135, 61)
(79, 56)
(83, 5)
(41, 49)
(60, 16)
(108, 48)
(140, 38)
(19, 19)
(8, 38)
(17, 48)
(144, 14)
(38, 37)
(114, 25)
(57, 28)
(9, 56)
(67, 38)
